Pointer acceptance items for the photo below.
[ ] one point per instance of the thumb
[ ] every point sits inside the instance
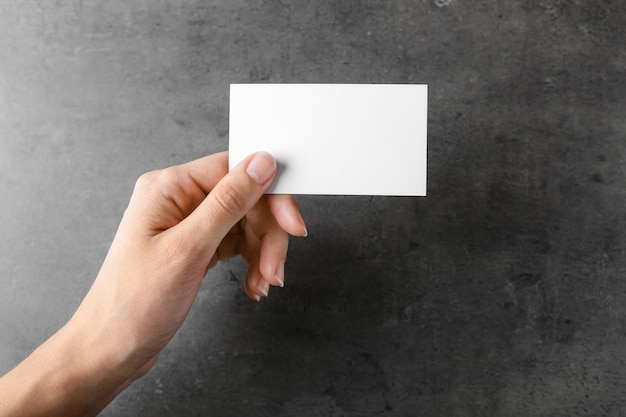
(229, 201)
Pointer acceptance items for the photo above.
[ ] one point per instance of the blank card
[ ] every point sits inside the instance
(351, 139)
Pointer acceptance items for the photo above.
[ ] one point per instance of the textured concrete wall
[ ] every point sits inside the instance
(501, 293)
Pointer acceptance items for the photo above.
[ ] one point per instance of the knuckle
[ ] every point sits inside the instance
(229, 200)
(170, 175)
(145, 180)
(161, 179)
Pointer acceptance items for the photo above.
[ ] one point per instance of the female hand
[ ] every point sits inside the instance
(180, 222)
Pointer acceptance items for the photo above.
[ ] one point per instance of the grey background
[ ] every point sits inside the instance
(501, 293)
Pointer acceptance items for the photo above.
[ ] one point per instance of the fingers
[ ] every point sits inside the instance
(210, 231)
(231, 198)
(286, 212)
(274, 242)
(271, 249)
(246, 244)
(263, 243)
(255, 286)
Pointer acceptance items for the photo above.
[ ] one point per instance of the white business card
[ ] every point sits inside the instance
(350, 139)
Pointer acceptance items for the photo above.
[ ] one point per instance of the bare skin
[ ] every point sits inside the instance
(179, 223)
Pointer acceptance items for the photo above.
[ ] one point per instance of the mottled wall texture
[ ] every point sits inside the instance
(502, 293)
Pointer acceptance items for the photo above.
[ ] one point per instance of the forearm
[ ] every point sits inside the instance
(179, 222)
(76, 372)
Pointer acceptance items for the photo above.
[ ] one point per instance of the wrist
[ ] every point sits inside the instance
(76, 372)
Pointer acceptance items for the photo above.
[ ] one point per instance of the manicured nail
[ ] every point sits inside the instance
(262, 167)
(306, 233)
(264, 287)
(280, 273)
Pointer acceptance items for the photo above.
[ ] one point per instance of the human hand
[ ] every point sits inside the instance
(180, 222)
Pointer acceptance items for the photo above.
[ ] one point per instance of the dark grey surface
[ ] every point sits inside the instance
(501, 293)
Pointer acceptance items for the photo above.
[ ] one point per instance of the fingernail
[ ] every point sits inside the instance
(264, 287)
(280, 273)
(306, 233)
(262, 167)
